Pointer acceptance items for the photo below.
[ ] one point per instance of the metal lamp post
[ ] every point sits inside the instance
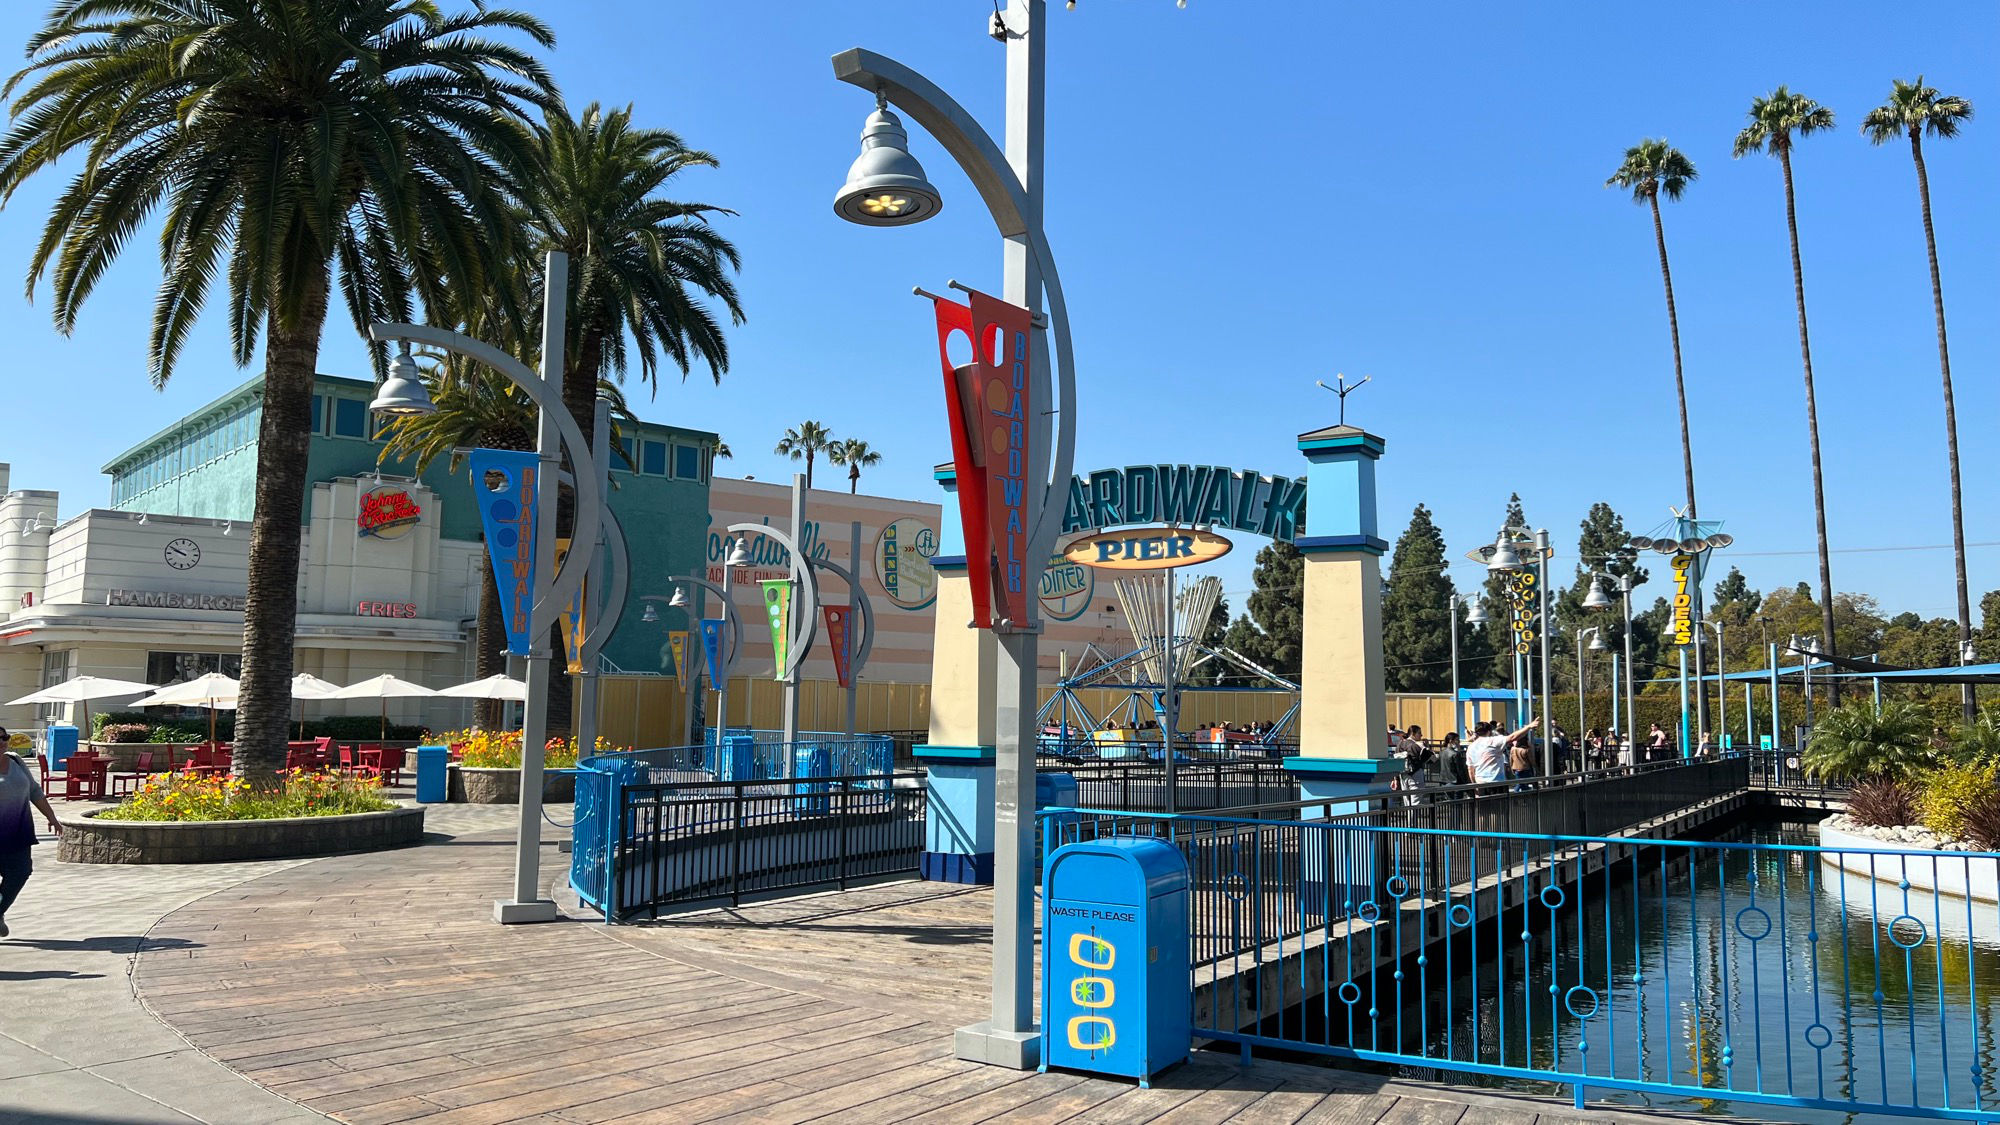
(1503, 560)
(1721, 688)
(1542, 553)
(1475, 614)
(738, 555)
(402, 393)
(886, 187)
(1596, 635)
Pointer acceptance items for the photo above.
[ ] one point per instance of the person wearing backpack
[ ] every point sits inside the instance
(19, 791)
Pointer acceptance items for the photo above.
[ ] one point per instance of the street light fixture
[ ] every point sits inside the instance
(1596, 598)
(403, 393)
(1504, 556)
(651, 615)
(739, 554)
(680, 598)
(1475, 612)
(886, 187)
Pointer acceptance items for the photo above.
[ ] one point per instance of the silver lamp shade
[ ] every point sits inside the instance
(1596, 598)
(886, 187)
(1504, 556)
(403, 392)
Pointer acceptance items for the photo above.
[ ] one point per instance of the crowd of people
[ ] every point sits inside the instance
(1497, 753)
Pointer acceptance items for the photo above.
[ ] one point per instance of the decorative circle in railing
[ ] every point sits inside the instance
(1368, 911)
(1569, 1001)
(1557, 892)
(1753, 923)
(1907, 927)
(1819, 1037)
(1397, 886)
(1349, 993)
(1236, 886)
(1459, 915)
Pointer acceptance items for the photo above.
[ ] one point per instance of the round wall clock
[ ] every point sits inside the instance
(182, 554)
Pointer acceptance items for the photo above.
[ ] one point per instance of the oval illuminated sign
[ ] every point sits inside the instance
(1147, 548)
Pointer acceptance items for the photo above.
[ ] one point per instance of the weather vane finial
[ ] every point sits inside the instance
(1343, 390)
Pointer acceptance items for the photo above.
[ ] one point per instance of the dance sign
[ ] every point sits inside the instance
(988, 404)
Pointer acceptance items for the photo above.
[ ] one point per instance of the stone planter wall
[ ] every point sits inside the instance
(1950, 872)
(93, 839)
(473, 785)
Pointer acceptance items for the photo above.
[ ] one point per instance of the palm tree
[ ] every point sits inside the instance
(282, 140)
(1653, 168)
(639, 263)
(1914, 109)
(722, 450)
(804, 441)
(855, 454)
(1773, 122)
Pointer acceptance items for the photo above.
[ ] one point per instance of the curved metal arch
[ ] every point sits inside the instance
(569, 576)
(805, 624)
(860, 597)
(733, 646)
(620, 584)
(993, 177)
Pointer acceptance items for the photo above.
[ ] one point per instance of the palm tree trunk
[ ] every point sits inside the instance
(853, 480)
(270, 612)
(1950, 416)
(1674, 330)
(1812, 429)
(809, 468)
(488, 659)
(1687, 454)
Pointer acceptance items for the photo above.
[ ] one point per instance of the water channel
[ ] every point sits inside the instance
(1744, 969)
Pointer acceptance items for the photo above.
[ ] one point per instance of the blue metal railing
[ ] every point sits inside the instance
(601, 832)
(1778, 974)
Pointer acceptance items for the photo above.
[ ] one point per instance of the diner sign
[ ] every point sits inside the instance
(1147, 548)
(167, 599)
(387, 512)
(504, 482)
(385, 609)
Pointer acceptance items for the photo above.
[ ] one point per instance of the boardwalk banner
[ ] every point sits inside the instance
(711, 647)
(968, 455)
(836, 618)
(677, 644)
(778, 606)
(504, 484)
(1005, 402)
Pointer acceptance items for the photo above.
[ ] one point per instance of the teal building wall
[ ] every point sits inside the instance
(205, 465)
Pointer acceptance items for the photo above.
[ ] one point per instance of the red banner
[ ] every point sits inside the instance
(836, 636)
(990, 408)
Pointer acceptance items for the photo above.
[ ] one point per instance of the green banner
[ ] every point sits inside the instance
(778, 604)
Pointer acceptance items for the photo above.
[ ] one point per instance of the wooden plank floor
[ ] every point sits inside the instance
(376, 989)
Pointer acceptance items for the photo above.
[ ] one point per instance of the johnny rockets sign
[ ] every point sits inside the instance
(988, 402)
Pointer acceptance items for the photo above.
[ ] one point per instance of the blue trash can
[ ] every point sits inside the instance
(1053, 791)
(433, 767)
(59, 745)
(1117, 995)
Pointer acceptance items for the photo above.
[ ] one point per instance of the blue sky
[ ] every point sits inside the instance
(1248, 196)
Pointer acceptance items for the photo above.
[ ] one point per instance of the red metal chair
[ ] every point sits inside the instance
(83, 776)
(391, 771)
(349, 762)
(142, 768)
(201, 760)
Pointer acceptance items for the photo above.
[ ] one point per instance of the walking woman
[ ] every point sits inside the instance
(18, 790)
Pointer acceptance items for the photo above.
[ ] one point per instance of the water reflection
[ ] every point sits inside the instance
(1740, 971)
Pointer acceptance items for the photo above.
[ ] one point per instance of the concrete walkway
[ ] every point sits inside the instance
(77, 1044)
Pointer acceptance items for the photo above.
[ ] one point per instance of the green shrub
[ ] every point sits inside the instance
(1982, 821)
(101, 719)
(1952, 790)
(1854, 743)
(122, 732)
(1882, 803)
(172, 732)
(1977, 742)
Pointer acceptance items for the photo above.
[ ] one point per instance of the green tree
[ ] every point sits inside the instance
(1277, 611)
(1774, 120)
(855, 454)
(1416, 612)
(593, 186)
(1603, 546)
(1914, 109)
(1853, 743)
(1734, 589)
(289, 147)
(804, 442)
(1652, 169)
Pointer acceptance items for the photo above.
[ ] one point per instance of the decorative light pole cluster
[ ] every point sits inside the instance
(1506, 558)
(1475, 614)
(1597, 599)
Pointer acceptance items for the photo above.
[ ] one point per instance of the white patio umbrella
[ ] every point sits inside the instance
(492, 687)
(211, 690)
(306, 686)
(83, 689)
(383, 687)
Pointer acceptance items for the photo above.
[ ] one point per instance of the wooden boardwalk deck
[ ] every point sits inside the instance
(375, 989)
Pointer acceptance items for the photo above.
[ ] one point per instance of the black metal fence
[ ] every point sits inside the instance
(1141, 786)
(689, 843)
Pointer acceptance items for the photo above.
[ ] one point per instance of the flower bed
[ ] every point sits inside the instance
(174, 818)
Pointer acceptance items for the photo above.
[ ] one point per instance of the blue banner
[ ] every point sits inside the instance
(711, 646)
(504, 482)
